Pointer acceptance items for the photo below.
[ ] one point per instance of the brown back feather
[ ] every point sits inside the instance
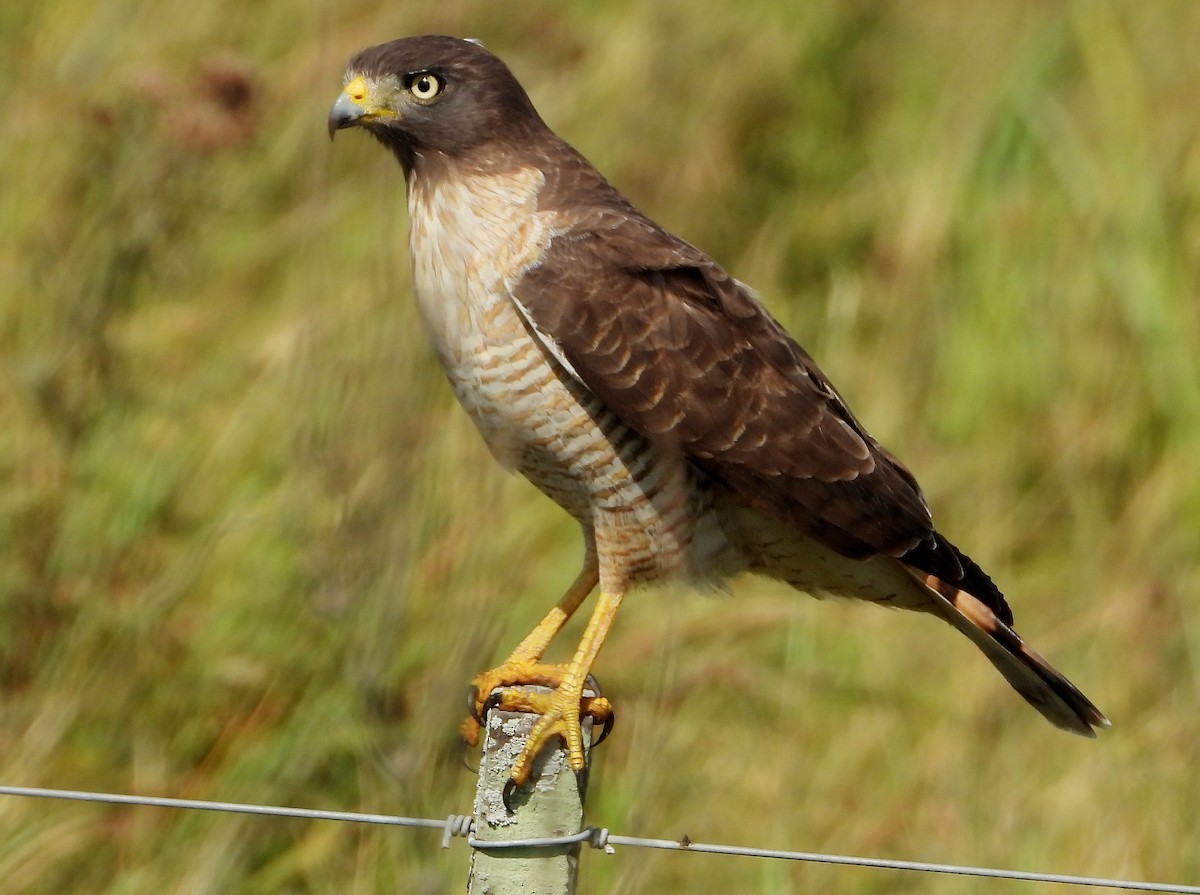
(688, 357)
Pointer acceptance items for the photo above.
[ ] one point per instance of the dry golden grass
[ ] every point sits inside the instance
(252, 551)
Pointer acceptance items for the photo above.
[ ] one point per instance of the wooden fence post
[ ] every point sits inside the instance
(552, 805)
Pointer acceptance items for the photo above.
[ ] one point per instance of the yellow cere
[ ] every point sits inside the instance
(357, 89)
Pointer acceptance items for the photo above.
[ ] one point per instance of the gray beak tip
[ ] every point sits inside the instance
(344, 113)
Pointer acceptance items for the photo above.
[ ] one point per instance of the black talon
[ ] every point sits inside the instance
(609, 720)
(491, 702)
(510, 787)
(472, 701)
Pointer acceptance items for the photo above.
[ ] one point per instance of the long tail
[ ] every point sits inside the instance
(1047, 690)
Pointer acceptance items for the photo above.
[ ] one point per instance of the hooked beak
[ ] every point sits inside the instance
(346, 112)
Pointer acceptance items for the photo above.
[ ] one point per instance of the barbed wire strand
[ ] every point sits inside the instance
(598, 837)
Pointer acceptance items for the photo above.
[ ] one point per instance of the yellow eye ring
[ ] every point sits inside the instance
(424, 86)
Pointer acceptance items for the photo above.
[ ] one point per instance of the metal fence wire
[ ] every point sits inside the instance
(460, 825)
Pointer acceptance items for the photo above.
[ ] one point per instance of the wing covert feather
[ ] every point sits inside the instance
(687, 356)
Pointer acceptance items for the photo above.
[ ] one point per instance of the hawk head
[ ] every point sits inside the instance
(434, 95)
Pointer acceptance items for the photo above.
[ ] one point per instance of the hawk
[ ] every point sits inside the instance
(644, 390)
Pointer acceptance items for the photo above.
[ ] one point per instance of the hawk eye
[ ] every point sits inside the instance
(424, 85)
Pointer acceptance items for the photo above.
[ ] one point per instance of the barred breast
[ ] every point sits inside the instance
(471, 238)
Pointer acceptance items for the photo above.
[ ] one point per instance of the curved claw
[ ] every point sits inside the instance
(609, 720)
(493, 700)
(472, 725)
(495, 697)
(510, 787)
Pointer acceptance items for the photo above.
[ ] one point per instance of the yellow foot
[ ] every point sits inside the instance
(560, 710)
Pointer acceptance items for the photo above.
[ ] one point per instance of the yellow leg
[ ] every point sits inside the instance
(560, 710)
(533, 647)
(524, 666)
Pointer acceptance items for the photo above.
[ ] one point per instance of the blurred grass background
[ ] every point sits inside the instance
(250, 550)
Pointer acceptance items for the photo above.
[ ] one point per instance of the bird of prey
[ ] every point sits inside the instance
(643, 389)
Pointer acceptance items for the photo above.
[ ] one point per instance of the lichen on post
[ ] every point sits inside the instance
(550, 805)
